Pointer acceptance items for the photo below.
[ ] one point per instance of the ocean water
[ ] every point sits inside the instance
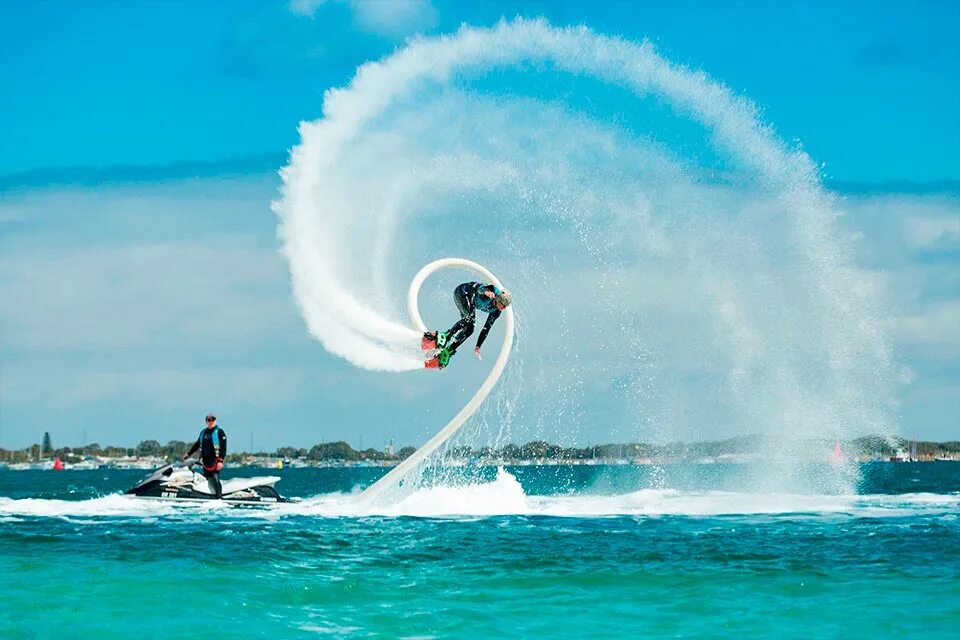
(526, 552)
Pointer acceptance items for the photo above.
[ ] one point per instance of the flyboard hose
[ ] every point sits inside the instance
(374, 491)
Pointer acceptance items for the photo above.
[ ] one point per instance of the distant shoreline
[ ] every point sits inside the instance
(278, 464)
(740, 449)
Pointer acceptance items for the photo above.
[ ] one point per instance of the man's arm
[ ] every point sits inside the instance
(223, 445)
(196, 445)
(491, 318)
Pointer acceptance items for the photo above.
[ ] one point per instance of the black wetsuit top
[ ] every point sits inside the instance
(212, 450)
(472, 294)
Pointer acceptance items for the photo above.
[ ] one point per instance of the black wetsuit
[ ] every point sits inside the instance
(469, 297)
(213, 449)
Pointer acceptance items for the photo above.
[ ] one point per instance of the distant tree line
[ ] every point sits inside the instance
(341, 451)
(542, 450)
(535, 450)
(326, 451)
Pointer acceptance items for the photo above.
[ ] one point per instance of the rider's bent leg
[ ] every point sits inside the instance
(468, 315)
(460, 332)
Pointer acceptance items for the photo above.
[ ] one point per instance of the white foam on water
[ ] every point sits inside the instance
(505, 496)
(502, 497)
(106, 506)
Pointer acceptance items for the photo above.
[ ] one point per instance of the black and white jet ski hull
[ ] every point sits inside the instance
(179, 483)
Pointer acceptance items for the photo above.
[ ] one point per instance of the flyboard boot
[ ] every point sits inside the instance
(440, 360)
(434, 340)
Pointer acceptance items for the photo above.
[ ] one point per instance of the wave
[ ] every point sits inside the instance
(502, 497)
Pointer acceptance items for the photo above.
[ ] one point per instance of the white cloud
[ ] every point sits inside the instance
(908, 239)
(179, 386)
(930, 233)
(111, 295)
(140, 294)
(129, 267)
(391, 18)
(305, 7)
(915, 222)
(937, 330)
(394, 17)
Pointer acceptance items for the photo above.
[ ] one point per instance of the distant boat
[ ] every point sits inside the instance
(85, 465)
(905, 456)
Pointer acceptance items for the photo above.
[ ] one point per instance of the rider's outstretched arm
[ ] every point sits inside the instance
(491, 318)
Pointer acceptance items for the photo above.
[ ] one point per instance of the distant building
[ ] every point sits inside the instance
(389, 449)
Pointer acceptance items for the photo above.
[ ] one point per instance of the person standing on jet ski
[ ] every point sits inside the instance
(471, 297)
(213, 449)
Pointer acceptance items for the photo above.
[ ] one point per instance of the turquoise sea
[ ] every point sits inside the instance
(528, 552)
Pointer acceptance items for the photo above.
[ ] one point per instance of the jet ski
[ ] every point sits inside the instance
(178, 481)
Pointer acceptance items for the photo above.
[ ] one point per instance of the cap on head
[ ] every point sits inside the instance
(504, 297)
(210, 416)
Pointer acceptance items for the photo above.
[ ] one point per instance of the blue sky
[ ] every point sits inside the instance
(140, 143)
(869, 87)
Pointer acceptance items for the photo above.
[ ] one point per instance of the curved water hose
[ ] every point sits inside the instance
(374, 491)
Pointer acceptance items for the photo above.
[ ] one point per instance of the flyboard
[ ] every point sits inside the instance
(394, 477)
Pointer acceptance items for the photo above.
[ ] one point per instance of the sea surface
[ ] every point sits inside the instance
(686, 551)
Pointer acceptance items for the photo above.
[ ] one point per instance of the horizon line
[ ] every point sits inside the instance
(267, 163)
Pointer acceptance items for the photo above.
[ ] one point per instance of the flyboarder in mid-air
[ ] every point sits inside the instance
(469, 296)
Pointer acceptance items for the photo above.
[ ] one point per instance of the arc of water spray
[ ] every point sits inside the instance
(375, 490)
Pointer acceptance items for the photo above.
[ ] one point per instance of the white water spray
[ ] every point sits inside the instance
(761, 286)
